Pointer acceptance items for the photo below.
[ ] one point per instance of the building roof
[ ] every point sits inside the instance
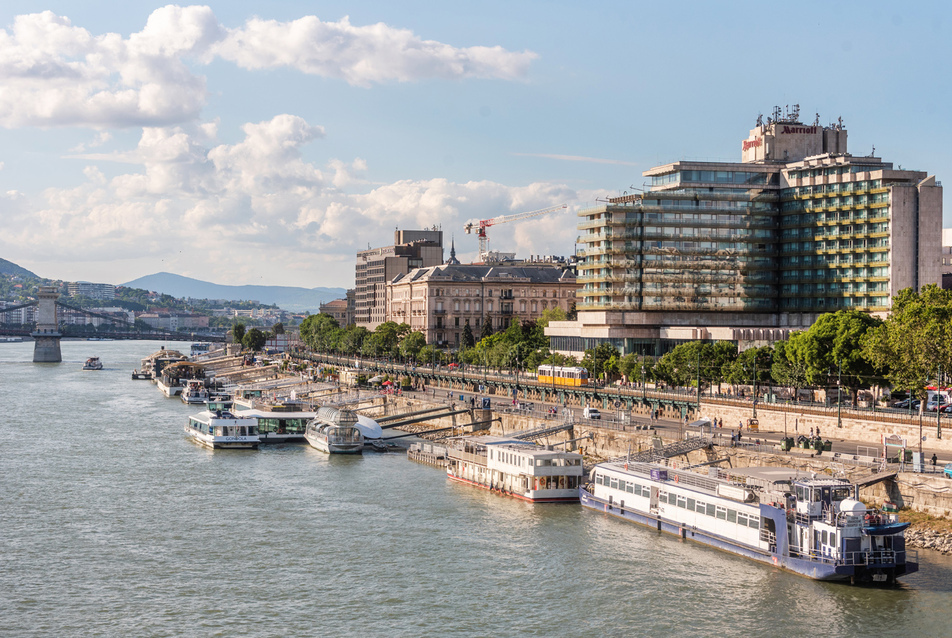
(482, 273)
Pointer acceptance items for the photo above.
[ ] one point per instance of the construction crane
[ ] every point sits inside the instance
(483, 224)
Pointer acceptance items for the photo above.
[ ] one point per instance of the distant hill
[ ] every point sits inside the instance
(10, 268)
(287, 297)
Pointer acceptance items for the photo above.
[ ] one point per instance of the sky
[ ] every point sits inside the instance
(267, 142)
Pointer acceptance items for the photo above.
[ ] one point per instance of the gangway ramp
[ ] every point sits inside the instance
(660, 452)
(419, 419)
(535, 433)
(395, 417)
(873, 479)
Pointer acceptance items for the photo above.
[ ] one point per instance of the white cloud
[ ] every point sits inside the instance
(362, 55)
(231, 212)
(53, 73)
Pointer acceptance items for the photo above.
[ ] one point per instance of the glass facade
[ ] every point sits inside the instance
(802, 237)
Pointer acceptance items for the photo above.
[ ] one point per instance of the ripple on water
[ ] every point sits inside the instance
(114, 524)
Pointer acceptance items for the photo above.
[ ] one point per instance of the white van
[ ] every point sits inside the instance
(591, 413)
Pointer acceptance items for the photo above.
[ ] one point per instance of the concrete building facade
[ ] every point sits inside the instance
(751, 251)
(341, 309)
(376, 267)
(439, 301)
(91, 290)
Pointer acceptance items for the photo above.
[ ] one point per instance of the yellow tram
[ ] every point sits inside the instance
(562, 375)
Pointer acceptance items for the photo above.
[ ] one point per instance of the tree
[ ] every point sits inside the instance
(787, 369)
(680, 366)
(238, 333)
(600, 359)
(468, 339)
(411, 345)
(254, 339)
(278, 328)
(915, 341)
(487, 329)
(320, 332)
(833, 346)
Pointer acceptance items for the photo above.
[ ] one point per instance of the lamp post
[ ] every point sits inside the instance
(839, 401)
(938, 411)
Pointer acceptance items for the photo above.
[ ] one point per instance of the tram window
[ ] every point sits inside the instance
(731, 516)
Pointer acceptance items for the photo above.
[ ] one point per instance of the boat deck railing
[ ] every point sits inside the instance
(877, 557)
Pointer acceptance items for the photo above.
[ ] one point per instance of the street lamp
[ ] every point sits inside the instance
(839, 402)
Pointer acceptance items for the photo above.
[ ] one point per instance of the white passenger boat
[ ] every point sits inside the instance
(199, 348)
(515, 468)
(811, 525)
(219, 429)
(92, 363)
(175, 376)
(335, 432)
(281, 426)
(194, 392)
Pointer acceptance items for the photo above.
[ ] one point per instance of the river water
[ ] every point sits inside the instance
(113, 524)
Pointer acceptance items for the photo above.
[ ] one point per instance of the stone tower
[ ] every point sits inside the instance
(46, 339)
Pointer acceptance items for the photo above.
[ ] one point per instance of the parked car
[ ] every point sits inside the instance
(904, 404)
(948, 471)
(932, 405)
(591, 413)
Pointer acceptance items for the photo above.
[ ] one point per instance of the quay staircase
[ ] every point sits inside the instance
(659, 452)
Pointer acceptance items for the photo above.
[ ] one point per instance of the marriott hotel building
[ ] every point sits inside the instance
(754, 250)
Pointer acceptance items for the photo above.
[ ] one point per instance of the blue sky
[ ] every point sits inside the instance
(244, 142)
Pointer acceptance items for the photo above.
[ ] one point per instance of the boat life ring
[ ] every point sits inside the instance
(676, 479)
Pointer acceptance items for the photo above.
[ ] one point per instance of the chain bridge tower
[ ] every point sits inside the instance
(46, 338)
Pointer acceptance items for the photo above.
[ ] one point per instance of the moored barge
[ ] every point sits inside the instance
(515, 468)
(811, 525)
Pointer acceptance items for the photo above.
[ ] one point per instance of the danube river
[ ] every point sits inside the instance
(113, 524)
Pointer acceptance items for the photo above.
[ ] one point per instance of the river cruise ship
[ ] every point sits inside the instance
(811, 525)
(335, 432)
(515, 468)
(220, 429)
(92, 363)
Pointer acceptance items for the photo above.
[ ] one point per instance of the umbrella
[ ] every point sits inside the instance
(376, 379)
(388, 383)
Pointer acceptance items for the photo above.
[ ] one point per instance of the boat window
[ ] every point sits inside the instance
(711, 509)
(682, 502)
(826, 538)
(721, 513)
(614, 484)
(629, 487)
(731, 516)
(841, 493)
(662, 497)
(700, 507)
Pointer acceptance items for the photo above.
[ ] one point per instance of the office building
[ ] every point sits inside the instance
(376, 267)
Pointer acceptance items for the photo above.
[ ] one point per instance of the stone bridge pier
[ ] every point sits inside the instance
(46, 338)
